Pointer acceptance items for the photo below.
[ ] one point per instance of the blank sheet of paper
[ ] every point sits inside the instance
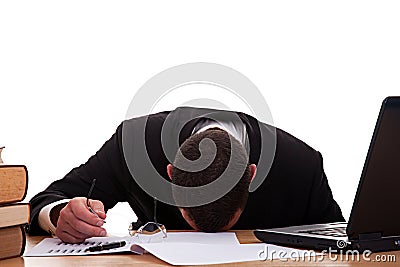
(201, 254)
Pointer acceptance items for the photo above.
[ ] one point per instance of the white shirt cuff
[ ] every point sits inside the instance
(44, 216)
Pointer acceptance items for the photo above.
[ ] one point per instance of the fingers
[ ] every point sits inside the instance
(68, 238)
(76, 222)
(78, 232)
(80, 210)
(98, 207)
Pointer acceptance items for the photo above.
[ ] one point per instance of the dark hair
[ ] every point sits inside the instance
(216, 215)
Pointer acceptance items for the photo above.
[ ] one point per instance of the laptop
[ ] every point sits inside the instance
(374, 222)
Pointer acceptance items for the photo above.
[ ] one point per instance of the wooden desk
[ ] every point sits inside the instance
(149, 260)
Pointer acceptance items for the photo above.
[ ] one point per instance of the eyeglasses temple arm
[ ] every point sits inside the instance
(155, 210)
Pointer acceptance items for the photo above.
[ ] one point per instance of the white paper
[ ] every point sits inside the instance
(55, 247)
(202, 238)
(201, 254)
(180, 248)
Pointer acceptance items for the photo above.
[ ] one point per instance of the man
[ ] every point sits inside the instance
(295, 191)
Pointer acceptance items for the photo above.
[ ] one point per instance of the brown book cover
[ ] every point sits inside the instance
(14, 214)
(12, 240)
(13, 183)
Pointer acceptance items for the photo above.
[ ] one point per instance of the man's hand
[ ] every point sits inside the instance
(76, 222)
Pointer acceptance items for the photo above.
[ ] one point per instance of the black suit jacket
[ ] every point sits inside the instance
(295, 191)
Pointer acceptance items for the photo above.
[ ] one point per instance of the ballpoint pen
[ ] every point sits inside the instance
(87, 200)
(118, 244)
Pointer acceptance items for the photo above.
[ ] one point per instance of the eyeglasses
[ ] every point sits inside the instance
(151, 232)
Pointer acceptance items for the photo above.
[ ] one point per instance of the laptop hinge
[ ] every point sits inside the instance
(369, 236)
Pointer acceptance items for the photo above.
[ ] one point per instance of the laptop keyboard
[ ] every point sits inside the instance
(331, 231)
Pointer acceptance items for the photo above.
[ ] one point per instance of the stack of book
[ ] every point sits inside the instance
(14, 216)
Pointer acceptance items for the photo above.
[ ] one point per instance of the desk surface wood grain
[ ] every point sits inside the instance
(245, 236)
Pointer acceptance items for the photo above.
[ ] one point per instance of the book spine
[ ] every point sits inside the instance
(26, 182)
(23, 245)
(23, 227)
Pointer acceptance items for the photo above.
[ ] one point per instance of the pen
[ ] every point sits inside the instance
(87, 200)
(118, 244)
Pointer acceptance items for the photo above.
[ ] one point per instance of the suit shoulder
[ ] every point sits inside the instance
(295, 157)
(153, 116)
(286, 139)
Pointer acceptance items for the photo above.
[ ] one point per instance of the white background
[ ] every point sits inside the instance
(69, 69)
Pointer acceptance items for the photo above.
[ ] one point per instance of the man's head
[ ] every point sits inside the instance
(221, 214)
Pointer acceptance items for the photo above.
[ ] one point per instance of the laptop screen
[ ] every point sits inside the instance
(376, 207)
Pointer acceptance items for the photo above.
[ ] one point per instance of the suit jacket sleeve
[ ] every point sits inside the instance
(322, 207)
(105, 166)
